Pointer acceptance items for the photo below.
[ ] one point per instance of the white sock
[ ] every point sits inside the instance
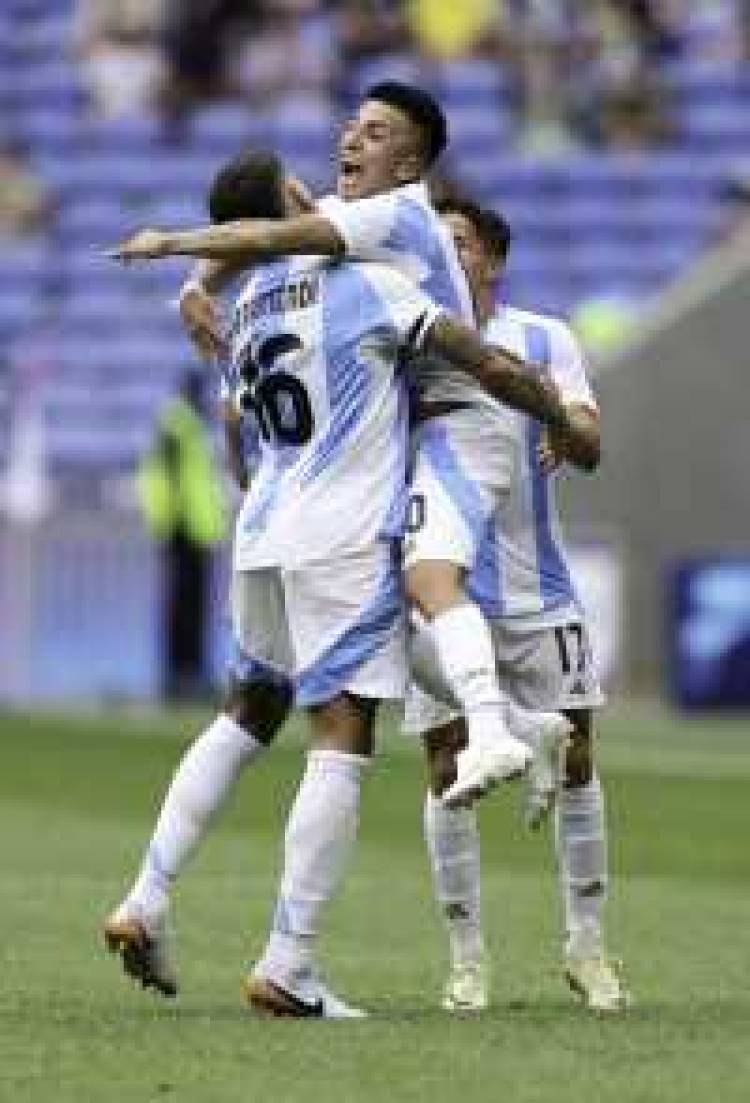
(319, 840)
(452, 837)
(580, 837)
(467, 659)
(198, 789)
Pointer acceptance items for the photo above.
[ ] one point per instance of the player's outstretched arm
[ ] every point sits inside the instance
(240, 243)
(503, 375)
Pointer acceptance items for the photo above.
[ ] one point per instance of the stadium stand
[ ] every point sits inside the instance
(586, 221)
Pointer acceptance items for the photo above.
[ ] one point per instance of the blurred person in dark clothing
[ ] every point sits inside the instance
(195, 39)
(183, 503)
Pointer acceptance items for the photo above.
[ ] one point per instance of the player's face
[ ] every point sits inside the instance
(378, 151)
(479, 266)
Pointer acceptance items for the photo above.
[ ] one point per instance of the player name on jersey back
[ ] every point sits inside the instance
(294, 295)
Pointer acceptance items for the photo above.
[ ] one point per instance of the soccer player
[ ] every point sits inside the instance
(383, 211)
(316, 592)
(522, 582)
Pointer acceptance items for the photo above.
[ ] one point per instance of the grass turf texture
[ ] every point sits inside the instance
(77, 801)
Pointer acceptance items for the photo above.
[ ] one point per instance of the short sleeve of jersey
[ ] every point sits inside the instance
(409, 310)
(567, 367)
(364, 224)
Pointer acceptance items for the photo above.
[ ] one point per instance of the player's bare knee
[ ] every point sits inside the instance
(433, 586)
(259, 707)
(579, 755)
(346, 723)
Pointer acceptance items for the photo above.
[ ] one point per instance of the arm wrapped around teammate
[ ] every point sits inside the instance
(501, 373)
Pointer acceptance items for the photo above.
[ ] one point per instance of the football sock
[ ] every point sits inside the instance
(319, 840)
(198, 789)
(580, 838)
(464, 648)
(452, 837)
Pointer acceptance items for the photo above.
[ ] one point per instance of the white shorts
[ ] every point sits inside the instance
(327, 627)
(462, 466)
(539, 668)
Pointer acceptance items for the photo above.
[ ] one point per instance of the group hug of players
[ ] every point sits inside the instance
(399, 434)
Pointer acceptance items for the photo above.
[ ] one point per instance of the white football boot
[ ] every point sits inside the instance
(307, 998)
(143, 947)
(598, 981)
(482, 765)
(466, 990)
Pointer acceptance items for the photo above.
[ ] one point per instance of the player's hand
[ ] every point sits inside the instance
(202, 319)
(300, 195)
(145, 245)
(550, 451)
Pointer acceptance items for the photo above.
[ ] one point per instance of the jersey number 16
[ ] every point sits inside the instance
(277, 399)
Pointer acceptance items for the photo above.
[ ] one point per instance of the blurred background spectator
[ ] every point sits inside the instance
(24, 202)
(182, 500)
(117, 45)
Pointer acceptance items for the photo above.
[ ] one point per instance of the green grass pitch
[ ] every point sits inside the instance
(77, 796)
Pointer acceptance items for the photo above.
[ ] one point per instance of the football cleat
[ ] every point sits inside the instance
(599, 983)
(552, 737)
(313, 1001)
(143, 953)
(482, 765)
(466, 989)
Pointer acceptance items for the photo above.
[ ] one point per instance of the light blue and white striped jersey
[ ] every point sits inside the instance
(316, 345)
(522, 571)
(402, 228)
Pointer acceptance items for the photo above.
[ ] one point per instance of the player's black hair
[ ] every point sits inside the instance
(420, 107)
(251, 185)
(492, 228)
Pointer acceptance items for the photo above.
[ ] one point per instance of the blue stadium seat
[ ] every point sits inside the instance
(394, 66)
(97, 221)
(301, 130)
(705, 76)
(471, 83)
(20, 307)
(49, 130)
(52, 84)
(722, 127)
(138, 176)
(129, 135)
(225, 129)
(478, 132)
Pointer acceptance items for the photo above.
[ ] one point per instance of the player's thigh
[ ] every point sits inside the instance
(257, 696)
(259, 618)
(346, 621)
(547, 668)
(450, 504)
